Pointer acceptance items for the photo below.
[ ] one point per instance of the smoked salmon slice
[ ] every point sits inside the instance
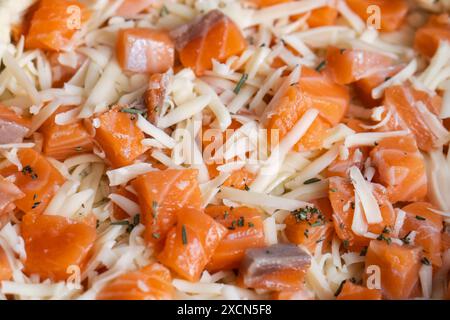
(191, 244)
(351, 291)
(119, 137)
(392, 12)
(64, 141)
(145, 50)
(427, 38)
(13, 127)
(400, 168)
(346, 66)
(245, 230)
(152, 282)
(54, 23)
(427, 226)
(342, 198)
(161, 194)
(398, 268)
(53, 243)
(38, 180)
(212, 36)
(408, 107)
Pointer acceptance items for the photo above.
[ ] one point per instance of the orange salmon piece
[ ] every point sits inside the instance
(62, 73)
(400, 168)
(50, 28)
(311, 225)
(401, 101)
(428, 228)
(347, 66)
(364, 86)
(145, 50)
(212, 36)
(53, 243)
(351, 291)
(5, 268)
(393, 12)
(64, 141)
(152, 282)
(298, 99)
(325, 16)
(38, 180)
(119, 137)
(356, 157)
(239, 179)
(155, 95)
(130, 8)
(245, 230)
(13, 127)
(191, 244)
(342, 198)
(399, 268)
(427, 38)
(161, 194)
(9, 193)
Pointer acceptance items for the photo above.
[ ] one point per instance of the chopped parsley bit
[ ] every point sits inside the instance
(312, 180)
(321, 66)
(383, 237)
(28, 170)
(305, 214)
(241, 82)
(341, 51)
(341, 225)
(154, 209)
(339, 289)
(78, 149)
(34, 196)
(97, 224)
(420, 218)
(164, 11)
(352, 204)
(387, 78)
(317, 224)
(386, 230)
(375, 143)
(155, 235)
(333, 189)
(183, 235)
(251, 224)
(240, 222)
(406, 239)
(306, 233)
(363, 252)
(132, 111)
(246, 187)
(120, 223)
(320, 240)
(346, 243)
(225, 214)
(425, 261)
(35, 204)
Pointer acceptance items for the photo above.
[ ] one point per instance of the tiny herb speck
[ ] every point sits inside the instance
(241, 82)
(184, 235)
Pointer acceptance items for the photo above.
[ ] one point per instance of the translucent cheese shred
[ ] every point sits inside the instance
(124, 174)
(155, 132)
(314, 168)
(270, 231)
(359, 224)
(399, 78)
(260, 199)
(125, 204)
(184, 111)
(371, 138)
(364, 190)
(285, 10)
(426, 280)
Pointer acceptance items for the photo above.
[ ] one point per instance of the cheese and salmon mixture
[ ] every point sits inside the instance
(224, 149)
